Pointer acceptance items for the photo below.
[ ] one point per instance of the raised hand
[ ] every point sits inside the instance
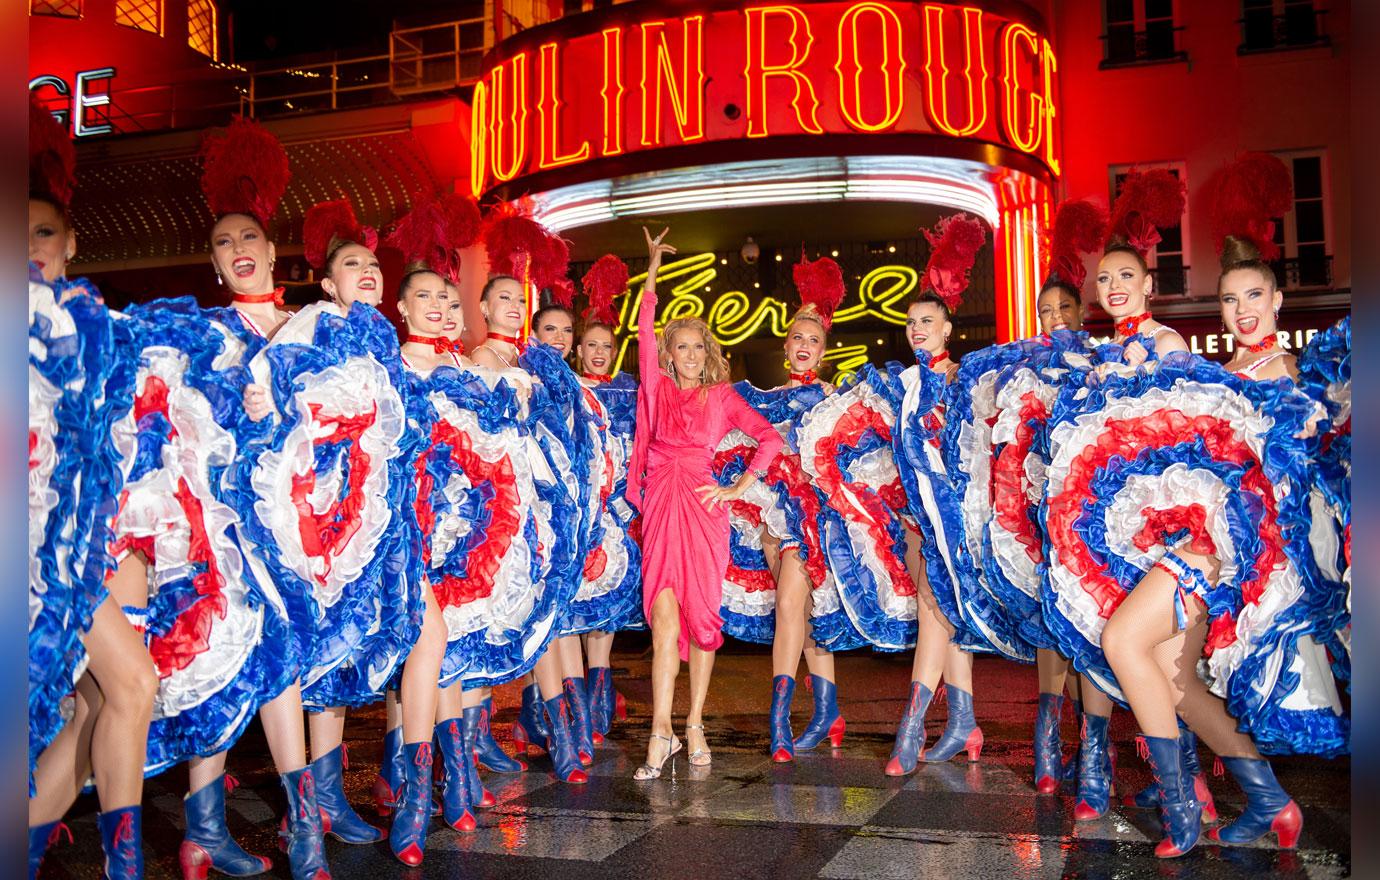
(656, 248)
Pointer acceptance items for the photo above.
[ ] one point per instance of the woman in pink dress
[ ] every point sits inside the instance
(685, 409)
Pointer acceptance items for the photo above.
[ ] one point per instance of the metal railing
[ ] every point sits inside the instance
(425, 59)
(1300, 27)
(1300, 273)
(1158, 42)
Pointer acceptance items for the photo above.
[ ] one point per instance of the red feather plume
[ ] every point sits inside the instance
(333, 222)
(434, 232)
(521, 247)
(954, 244)
(1243, 199)
(605, 281)
(563, 294)
(820, 285)
(52, 158)
(1080, 227)
(244, 171)
(1149, 201)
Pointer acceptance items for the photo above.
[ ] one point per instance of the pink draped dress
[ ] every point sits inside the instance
(684, 545)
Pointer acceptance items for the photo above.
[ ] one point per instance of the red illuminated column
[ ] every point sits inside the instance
(1019, 260)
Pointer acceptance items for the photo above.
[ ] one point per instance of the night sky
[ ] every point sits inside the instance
(265, 29)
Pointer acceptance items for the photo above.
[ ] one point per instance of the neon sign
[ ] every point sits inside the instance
(761, 71)
(92, 90)
(733, 317)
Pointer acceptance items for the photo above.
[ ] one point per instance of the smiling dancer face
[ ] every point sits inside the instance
(242, 255)
(1059, 309)
(596, 350)
(1250, 304)
(503, 304)
(52, 241)
(424, 303)
(455, 315)
(805, 345)
(353, 275)
(1123, 283)
(555, 327)
(928, 326)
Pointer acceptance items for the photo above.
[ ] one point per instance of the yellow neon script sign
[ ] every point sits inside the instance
(733, 317)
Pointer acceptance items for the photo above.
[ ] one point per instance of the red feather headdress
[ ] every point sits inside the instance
(244, 171)
(605, 281)
(328, 226)
(1080, 227)
(821, 288)
(1149, 201)
(1243, 199)
(434, 232)
(52, 158)
(954, 244)
(521, 247)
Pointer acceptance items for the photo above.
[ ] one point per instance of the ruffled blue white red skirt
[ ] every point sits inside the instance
(72, 481)
(1190, 455)
(846, 448)
(1013, 543)
(326, 500)
(619, 399)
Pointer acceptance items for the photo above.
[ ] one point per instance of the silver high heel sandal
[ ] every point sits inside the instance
(699, 757)
(647, 771)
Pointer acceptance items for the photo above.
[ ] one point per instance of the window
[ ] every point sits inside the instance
(1303, 234)
(59, 8)
(142, 15)
(1169, 259)
(1268, 25)
(201, 28)
(1140, 32)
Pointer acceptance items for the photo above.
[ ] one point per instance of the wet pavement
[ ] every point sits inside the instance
(830, 814)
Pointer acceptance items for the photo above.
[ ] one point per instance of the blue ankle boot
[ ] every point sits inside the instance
(338, 818)
(303, 838)
(1149, 797)
(597, 681)
(782, 690)
(1179, 809)
(456, 806)
(530, 729)
(1071, 765)
(581, 731)
(412, 812)
(40, 838)
(391, 773)
(910, 734)
(961, 733)
(474, 786)
(1268, 807)
(122, 839)
(560, 745)
(1049, 749)
(827, 721)
(208, 844)
(487, 750)
(1094, 770)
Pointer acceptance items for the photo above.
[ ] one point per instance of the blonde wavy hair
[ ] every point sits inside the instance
(715, 364)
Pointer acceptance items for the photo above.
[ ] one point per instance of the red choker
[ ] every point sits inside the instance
(441, 344)
(596, 378)
(806, 378)
(514, 341)
(276, 297)
(1131, 326)
(1265, 344)
(938, 358)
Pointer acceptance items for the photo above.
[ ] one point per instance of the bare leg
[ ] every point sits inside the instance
(1077, 685)
(665, 668)
(547, 673)
(819, 661)
(284, 729)
(1204, 712)
(65, 765)
(701, 669)
(572, 662)
(420, 672)
(1144, 620)
(471, 698)
(1094, 701)
(1053, 671)
(392, 711)
(935, 631)
(599, 649)
(449, 703)
(122, 669)
(958, 668)
(792, 595)
(327, 730)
